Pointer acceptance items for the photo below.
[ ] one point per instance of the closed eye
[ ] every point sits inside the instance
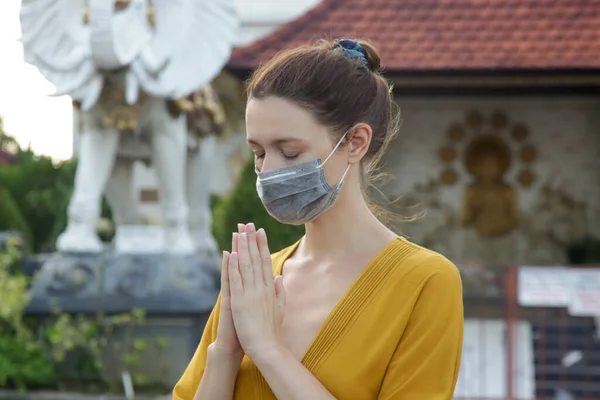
(291, 157)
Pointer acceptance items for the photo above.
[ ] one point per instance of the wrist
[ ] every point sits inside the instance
(223, 355)
(268, 355)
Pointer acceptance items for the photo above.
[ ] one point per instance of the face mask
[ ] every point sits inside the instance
(299, 193)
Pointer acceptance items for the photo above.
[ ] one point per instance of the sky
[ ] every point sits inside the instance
(34, 117)
(29, 112)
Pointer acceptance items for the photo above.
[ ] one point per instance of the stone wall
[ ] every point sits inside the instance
(503, 180)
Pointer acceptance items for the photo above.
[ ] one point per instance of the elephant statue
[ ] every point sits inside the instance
(205, 119)
(135, 70)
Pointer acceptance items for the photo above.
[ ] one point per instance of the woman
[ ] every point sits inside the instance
(354, 311)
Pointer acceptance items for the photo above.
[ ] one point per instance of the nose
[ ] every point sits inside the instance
(271, 161)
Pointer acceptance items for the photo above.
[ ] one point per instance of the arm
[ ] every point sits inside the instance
(287, 377)
(426, 362)
(211, 373)
(218, 380)
(258, 304)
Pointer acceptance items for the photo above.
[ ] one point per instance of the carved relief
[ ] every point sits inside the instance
(490, 201)
(538, 164)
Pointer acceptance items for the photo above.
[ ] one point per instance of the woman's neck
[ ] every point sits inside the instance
(347, 228)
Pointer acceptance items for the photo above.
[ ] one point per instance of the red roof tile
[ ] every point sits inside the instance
(445, 35)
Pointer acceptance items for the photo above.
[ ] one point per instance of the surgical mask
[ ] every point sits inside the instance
(299, 193)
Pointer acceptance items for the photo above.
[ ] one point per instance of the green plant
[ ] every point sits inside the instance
(243, 205)
(69, 344)
(132, 359)
(12, 218)
(23, 361)
(93, 336)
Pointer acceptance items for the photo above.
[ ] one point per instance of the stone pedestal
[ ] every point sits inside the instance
(177, 293)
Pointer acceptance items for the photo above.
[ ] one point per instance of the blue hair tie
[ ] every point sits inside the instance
(352, 49)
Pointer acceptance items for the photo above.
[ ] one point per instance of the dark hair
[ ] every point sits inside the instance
(340, 91)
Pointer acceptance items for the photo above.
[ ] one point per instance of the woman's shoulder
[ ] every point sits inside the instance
(417, 275)
(414, 263)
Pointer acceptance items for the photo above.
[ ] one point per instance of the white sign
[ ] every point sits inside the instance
(484, 358)
(139, 239)
(544, 286)
(585, 295)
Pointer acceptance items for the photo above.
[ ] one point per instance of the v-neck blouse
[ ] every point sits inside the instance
(395, 334)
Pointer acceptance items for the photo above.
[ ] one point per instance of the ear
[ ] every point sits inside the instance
(358, 141)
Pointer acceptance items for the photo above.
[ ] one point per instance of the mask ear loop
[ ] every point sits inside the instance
(323, 163)
(335, 148)
(343, 176)
(332, 152)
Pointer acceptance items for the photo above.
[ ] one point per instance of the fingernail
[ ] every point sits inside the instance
(240, 227)
(261, 232)
(251, 227)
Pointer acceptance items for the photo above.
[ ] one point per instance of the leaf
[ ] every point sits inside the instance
(161, 343)
(140, 344)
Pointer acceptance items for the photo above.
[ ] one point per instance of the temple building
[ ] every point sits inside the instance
(500, 101)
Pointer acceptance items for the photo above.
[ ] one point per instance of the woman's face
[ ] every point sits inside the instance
(281, 133)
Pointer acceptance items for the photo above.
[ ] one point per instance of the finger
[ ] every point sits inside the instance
(241, 228)
(225, 275)
(255, 255)
(234, 242)
(265, 256)
(245, 262)
(236, 285)
(280, 291)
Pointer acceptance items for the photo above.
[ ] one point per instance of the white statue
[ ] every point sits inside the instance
(133, 68)
(205, 120)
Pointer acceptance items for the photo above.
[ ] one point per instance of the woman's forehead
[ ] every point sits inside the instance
(274, 119)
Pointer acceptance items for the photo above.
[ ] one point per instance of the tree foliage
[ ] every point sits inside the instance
(34, 194)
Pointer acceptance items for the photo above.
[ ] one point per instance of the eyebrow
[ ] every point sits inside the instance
(277, 141)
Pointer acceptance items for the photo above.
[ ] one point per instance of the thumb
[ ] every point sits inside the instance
(279, 290)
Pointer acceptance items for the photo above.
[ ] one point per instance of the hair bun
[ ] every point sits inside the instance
(373, 58)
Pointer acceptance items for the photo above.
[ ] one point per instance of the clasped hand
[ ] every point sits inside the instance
(252, 300)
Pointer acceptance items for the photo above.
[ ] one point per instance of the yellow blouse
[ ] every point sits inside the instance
(395, 334)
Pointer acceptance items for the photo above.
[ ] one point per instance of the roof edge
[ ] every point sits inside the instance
(567, 75)
(285, 30)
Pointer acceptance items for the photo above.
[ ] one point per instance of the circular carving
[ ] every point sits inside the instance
(456, 132)
(528, 154)
(520, 132)
(526, 178)
(70, 278)
(487, 154)
(449, 177)
(448, 154)
(474, 119)
(499, 120)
